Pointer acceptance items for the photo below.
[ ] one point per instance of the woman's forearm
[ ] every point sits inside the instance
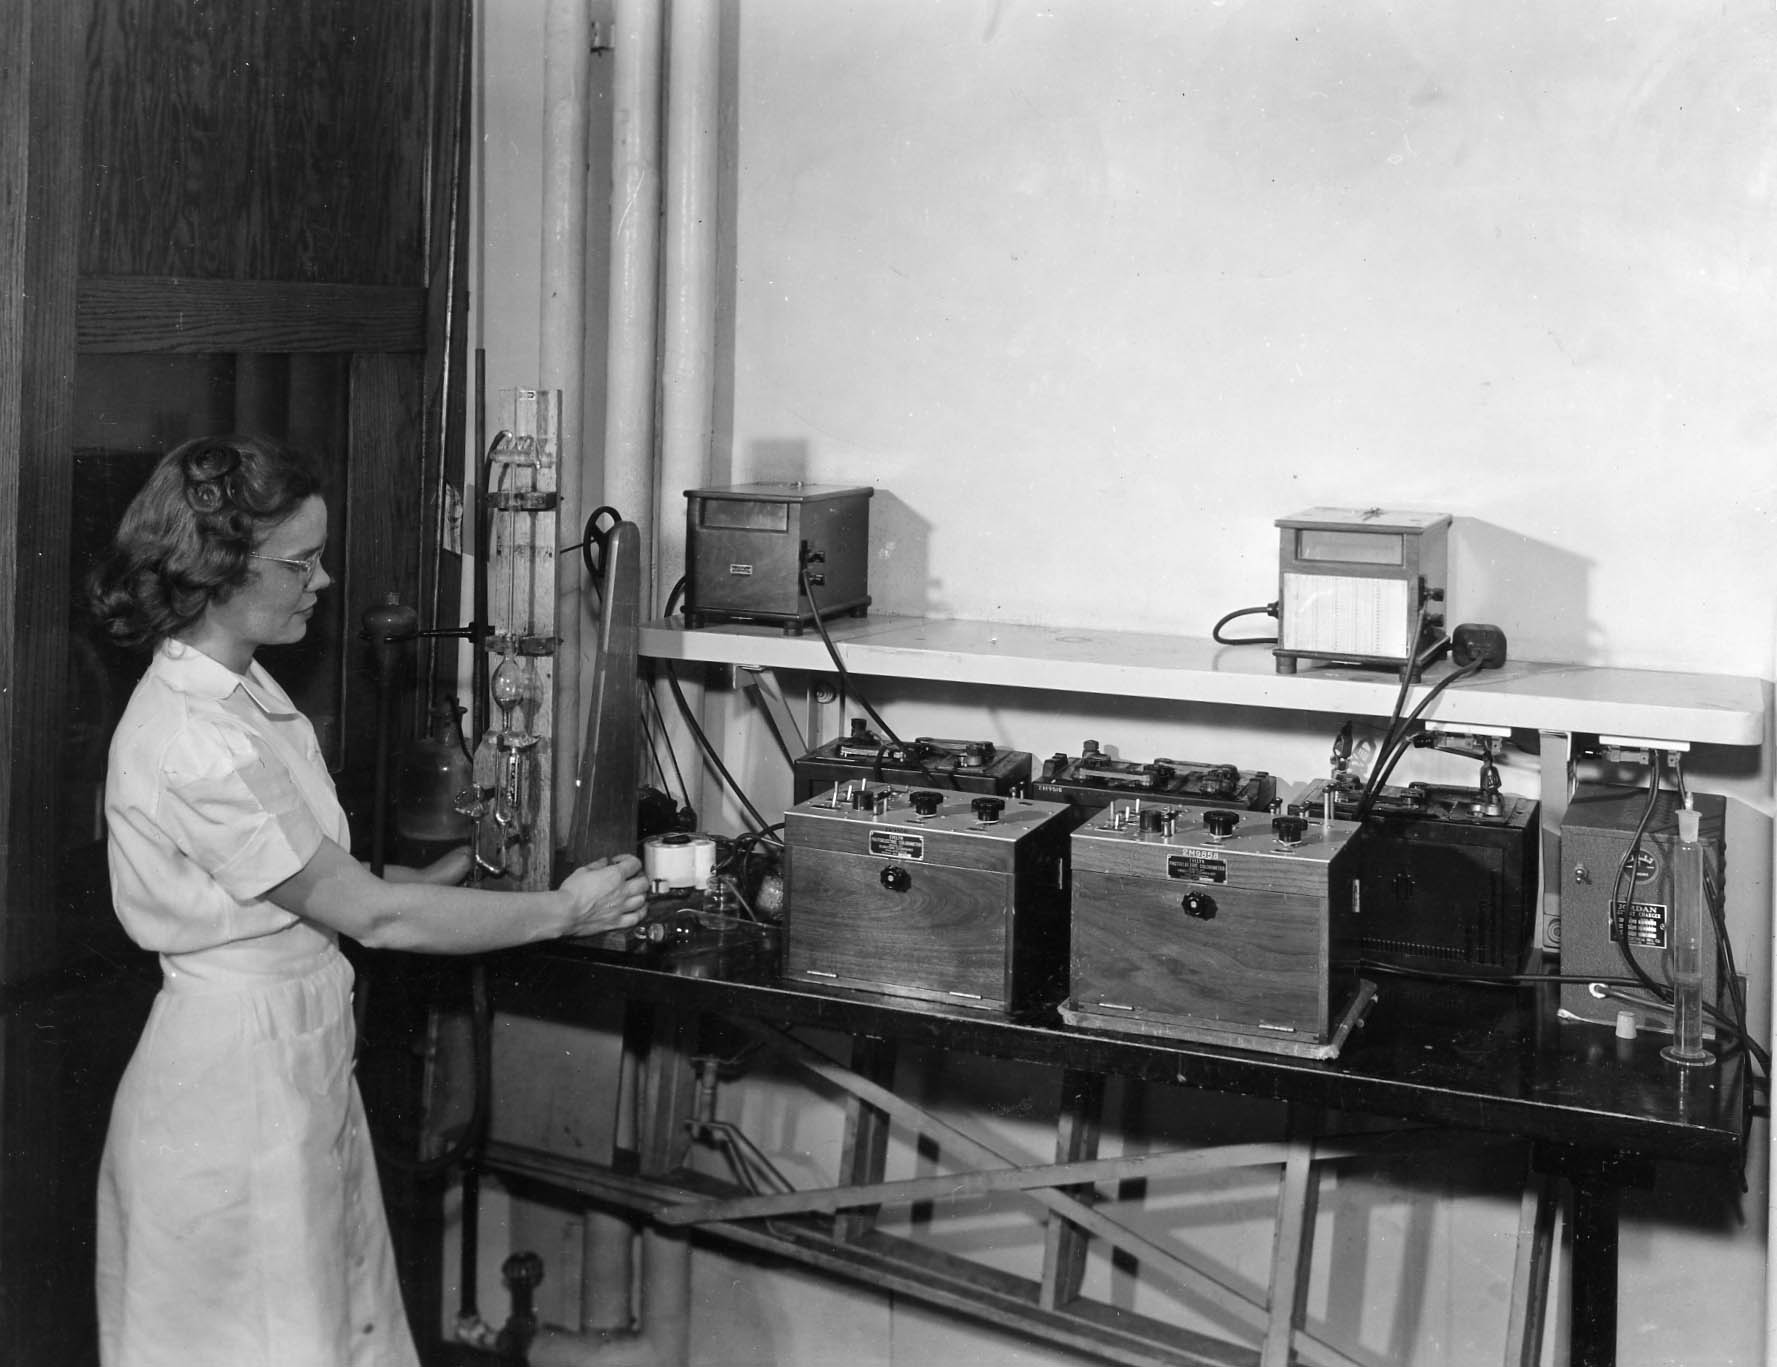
(334, 890)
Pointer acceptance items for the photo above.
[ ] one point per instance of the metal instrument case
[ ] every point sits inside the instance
(1092, 781)
(924, 763)
(1596, 836)
(745, 545)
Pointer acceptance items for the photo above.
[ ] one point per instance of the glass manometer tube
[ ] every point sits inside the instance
(1685, 954)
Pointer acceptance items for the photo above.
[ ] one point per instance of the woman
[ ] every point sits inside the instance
(240, 1220)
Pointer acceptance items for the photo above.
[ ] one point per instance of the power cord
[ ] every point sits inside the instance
(845, 679)
(695, 727)
(1269, 610)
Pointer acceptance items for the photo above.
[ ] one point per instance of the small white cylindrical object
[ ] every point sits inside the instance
(674, 862)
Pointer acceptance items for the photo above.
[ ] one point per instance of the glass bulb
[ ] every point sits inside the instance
(507, 686)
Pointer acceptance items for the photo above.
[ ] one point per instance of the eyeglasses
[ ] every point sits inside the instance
(307, 567)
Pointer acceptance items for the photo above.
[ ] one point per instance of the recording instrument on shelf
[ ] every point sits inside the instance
(1361, 586)
(971, 766)
(938, 895)
(750, 547)
(1613, 911)
(1218, 926)
(1092, 780)
(1447, 873)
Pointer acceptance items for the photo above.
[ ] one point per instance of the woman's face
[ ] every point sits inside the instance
(275, 603)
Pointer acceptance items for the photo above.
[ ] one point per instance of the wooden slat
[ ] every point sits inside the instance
(39, 202)
(45, 1132)
(865, 1150)
(900, 1266)
(1528, 1311)
(668, 1093)
(1076, 1140)
(163, 313)
(1293, 1243)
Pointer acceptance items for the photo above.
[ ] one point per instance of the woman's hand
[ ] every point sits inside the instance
(607, 894)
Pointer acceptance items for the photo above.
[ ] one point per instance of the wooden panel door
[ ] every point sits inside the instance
(212, 216)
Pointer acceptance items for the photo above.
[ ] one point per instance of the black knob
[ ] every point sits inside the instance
(1153, 819)
(1199, 904)
(862, 797)
(1289, 829)
(895, 878)
(1220, 822)
(926, 802)
(987, 809)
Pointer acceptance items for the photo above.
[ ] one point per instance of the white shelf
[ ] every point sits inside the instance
(1716, 709)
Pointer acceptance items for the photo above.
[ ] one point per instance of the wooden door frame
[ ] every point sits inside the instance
(48, 317)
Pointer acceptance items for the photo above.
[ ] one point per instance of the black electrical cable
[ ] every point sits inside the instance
(1387, 758)
(845, 678)
(657, 736)
(709, 750)
(696, 728)
(1741, 1037)
(1626, 868)
(1715, 899)
(1269, 610)
(1409, 670)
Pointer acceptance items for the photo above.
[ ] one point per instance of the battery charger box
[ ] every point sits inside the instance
(1225, 927)
(940, 896)
(747, 546)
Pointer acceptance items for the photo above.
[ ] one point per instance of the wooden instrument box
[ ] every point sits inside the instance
(1220, 926)
(944, 896)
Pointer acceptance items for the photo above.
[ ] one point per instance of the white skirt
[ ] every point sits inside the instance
(241, 1223)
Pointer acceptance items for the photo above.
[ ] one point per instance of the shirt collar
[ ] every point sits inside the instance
(189, 670)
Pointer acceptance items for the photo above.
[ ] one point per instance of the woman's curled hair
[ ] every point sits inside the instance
(184, 540)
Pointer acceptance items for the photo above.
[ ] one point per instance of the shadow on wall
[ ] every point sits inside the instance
(1538, 594)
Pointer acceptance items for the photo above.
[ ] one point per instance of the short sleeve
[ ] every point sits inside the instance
(235, 811)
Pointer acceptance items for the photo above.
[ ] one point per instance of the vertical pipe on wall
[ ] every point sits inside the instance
(687, 390)
(1770, 766)
(631, 356)
(567, 71)
(631, 353)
